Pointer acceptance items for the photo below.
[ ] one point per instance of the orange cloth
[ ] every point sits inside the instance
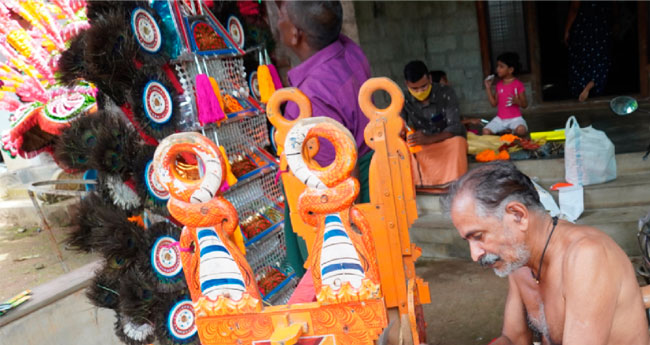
(440, 163)
(489, 156)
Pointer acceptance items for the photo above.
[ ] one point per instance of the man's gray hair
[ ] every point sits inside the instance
(321, 21)
(492, 186)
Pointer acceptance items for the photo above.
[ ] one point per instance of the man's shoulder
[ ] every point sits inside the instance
(324, 88)
(587, 246)
(331, 82)
(445, 90)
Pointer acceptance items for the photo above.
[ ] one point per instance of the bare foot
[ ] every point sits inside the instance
(585, 93)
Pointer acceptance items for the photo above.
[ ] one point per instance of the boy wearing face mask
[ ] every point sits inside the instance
(435, 130)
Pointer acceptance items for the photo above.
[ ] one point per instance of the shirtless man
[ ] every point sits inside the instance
(572, 284)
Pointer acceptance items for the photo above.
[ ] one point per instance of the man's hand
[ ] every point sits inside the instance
(418, 138)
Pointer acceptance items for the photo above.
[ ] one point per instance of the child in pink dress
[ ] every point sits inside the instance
(509, 98)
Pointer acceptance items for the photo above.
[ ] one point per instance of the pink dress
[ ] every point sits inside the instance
(503, 93)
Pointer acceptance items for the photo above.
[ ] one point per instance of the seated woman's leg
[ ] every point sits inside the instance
(521, 131)
(495, 125)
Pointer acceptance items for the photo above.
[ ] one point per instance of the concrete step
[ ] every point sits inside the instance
(22, 213)
(553, 169)
(613, 207)
(428, 204)
(438, 238)
(619, 223)
(627, 190)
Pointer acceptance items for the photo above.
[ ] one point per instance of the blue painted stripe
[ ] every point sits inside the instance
(218, 282)
(335, 267)
(332, 218)
(212, 249)
(334, 233)
(206, 233)
(333, 225)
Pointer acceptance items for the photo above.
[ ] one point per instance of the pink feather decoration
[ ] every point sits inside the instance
(73, 29)
(31, 90)
(9, 104)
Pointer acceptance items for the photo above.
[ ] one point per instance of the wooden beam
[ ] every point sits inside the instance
(481, 17)
(642, 11)
(533, 51)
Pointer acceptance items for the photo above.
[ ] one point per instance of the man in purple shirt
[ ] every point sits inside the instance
(331, 71)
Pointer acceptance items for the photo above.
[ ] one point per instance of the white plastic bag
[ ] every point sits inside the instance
(588, 155)
(571, 202)
(547, 200)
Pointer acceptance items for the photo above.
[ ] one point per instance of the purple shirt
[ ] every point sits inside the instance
(331, 79)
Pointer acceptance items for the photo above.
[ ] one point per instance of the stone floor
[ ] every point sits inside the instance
(466, 302)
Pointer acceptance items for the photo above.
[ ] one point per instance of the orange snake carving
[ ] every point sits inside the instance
(227, 304)
(392, 208)
(217, 273)
(343, 262)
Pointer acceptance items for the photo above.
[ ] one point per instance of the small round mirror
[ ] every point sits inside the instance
(623, 105)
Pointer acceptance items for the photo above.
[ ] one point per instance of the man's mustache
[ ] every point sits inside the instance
(488, 259)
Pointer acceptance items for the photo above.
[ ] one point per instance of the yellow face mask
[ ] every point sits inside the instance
(421, 95)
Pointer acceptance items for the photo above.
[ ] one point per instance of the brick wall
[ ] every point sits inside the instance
(442, 34)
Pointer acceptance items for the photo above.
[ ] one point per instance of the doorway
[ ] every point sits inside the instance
(623, 74)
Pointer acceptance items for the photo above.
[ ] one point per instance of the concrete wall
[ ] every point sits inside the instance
(349, 27)
(4, 120)
(442, 34)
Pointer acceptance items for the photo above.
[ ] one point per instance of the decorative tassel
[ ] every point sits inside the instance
(230, 177)
(207, 102)
(265, 80)
(277, 82)
(217, 92)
